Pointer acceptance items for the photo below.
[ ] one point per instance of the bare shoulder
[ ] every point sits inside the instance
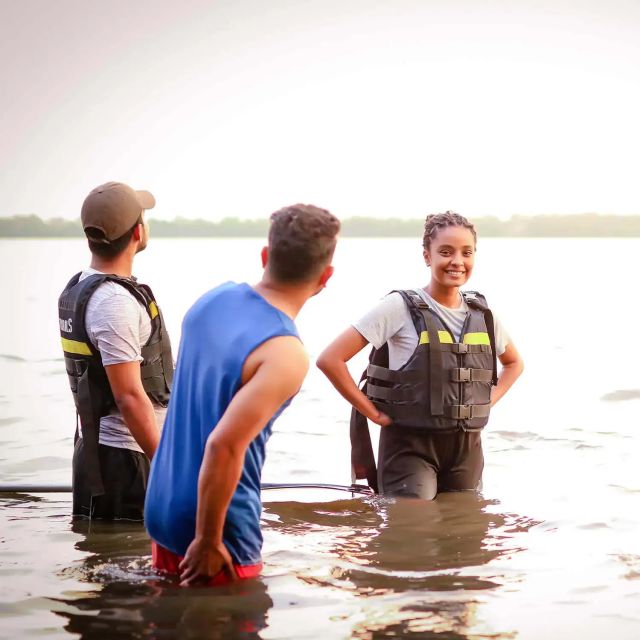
(283, 349)
(282, 356)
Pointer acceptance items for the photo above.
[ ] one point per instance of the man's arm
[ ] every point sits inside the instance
(134, 404)
(113, 323)
(271, 375)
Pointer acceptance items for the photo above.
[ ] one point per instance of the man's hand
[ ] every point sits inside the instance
(202, 561)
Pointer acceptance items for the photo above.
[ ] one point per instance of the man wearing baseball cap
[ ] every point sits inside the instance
(118, 358)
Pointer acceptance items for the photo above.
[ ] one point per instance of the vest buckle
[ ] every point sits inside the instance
(461, 375)
(418, 301)
(460, 348)
(461, 411)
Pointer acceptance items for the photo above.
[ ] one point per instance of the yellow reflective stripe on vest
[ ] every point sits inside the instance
(73, 346)
(481, 337)
(154, 309)
(445, 337)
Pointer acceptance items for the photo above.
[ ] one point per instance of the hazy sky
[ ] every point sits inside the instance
(385, 108)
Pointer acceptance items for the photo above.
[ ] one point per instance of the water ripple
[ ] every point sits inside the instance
(621, 395)
(11, 420)
(632, 562)
(11, 358)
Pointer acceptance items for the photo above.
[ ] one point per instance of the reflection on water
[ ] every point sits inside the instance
(391, 560)
(406, 538)
(399, 551)
(130, 610)
(134, 601)
(444, 620)
(561, 448)
(112, 547)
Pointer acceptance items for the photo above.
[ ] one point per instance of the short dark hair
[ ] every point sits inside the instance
(302, 239)
(437, 221)
(100, 246)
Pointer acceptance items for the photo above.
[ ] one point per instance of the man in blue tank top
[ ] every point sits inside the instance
(240, 363)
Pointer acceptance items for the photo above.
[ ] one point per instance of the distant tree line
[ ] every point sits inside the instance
(34, 227)
(546, 226)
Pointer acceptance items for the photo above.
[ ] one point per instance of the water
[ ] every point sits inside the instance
(549, 550)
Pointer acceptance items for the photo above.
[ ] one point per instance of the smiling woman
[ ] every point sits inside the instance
(433, 374)
(449, 243)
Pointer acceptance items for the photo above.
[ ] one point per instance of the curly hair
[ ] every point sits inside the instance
(302, 239)
(437, 221)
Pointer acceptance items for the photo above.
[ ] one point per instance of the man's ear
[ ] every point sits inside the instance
(264, 255)
(137, 232)
(325, 275)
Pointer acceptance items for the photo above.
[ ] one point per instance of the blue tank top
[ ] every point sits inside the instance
(218, 333)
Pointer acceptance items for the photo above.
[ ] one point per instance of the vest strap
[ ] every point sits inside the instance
(153, 381)
(405, 412)
(415, 301)
(152, 351)
(435, 363)
(410, 412)
(167, 356)
(385, 393)
(471, 375)
(162, 346)
(467, 411)
(363, 462)
(389, 375)
(151, 370)
(90, 425)
(460, 348)
(478, 301)
(74, 366)
(488, 320)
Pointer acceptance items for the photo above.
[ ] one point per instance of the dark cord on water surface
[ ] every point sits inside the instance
(266, 486)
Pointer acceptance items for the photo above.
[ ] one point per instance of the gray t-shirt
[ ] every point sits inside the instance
(390, 321)
(118, 325)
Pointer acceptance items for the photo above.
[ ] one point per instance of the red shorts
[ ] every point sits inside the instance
(167, 561)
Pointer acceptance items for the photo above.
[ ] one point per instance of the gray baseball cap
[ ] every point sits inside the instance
(111, 209)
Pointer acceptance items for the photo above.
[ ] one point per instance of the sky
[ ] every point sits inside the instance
(392, 108)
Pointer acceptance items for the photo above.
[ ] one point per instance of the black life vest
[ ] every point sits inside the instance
(87, 377)
(444, 386)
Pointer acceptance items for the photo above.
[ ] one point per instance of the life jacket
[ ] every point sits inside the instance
(87, 376)
(444, 386)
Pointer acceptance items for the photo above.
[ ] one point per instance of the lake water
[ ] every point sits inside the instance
(549, 550)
